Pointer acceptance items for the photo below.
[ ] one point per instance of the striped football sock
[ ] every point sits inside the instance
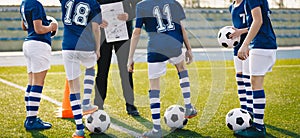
(155, 108)
(185, 88)
(26, 97)
(249, 96)
(88, 85)
(76, 110)
(34, 100)
(259, 103)
(241, 91)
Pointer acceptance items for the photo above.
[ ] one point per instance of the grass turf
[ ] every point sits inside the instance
(213, 88)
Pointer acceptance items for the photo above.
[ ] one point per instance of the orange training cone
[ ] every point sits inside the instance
(65, 111)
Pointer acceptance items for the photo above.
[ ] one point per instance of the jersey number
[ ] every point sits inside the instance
(243, 16)
(81, 13)
(167, 12)
(24, 17)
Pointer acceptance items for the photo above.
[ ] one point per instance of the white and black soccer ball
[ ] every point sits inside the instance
(174, 117)
(238, 119)
(97, 122)
(52, 19)
(224, 40)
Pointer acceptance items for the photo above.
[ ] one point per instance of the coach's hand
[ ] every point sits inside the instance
(130, 65)
(104, 24)
(188, 56)
(123, 16)
(243, 53)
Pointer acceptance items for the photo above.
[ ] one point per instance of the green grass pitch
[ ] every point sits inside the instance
(214, 93)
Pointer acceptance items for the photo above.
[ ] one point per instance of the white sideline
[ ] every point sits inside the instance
(113, 126)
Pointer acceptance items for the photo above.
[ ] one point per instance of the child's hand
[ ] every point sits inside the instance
(104, 24)
(188, 56)
(130, 65)
(236, 33)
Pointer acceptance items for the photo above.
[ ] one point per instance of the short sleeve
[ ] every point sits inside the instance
(179, 12)
(230, 8)
(96, 13)
(139, 16)
(253, 3)
(37, 11)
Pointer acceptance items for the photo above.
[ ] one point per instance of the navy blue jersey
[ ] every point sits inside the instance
(238, 17)
(162, 23)
(33, 10)
(77, 16)
(265, 38)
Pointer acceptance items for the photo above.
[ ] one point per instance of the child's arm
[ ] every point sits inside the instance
(39, 28)
(238, 32)
(254, 28)
(133, 44)
(23, 26)
(97, 36)
(188, 53)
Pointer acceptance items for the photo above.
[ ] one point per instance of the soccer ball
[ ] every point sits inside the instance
(238, 119)
(174, 117)
(97, 122)
(51, 19)
(224, 40)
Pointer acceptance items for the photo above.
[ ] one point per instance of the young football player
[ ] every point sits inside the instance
(163, 23)
(81, 44)
(238, 17)
(37, 52)
(260, 47)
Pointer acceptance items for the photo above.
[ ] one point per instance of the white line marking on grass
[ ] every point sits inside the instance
(24, 89)
(113, 126)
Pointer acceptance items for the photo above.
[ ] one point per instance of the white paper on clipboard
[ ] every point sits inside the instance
(116, 29)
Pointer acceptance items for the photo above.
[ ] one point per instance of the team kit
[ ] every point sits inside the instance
(85, 43)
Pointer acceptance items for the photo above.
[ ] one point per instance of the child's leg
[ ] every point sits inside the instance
(75, 103)
(35, 94)
(249, 95)
(88, 85)
(34, 98)
(259, 101)
(241, 90)
(26, 97)
(155, 103)
(185, 89)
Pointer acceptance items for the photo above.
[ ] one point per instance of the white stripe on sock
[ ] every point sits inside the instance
(241, 87)
(88, 77)
(259, 121)
(185, 89)
(32, 113)
(33, 103)
(78, 121)
(239, 79)
(154, 100)
(187, 100)
(259, 101)
(155, 110)
(186, 79)
(258, 111)
(88, 86)
(35, 94)
(77, 112)
(75, 102)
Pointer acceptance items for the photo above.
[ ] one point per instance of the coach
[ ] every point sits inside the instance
(122, 50)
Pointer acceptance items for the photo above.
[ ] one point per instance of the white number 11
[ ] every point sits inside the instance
(167, 12)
